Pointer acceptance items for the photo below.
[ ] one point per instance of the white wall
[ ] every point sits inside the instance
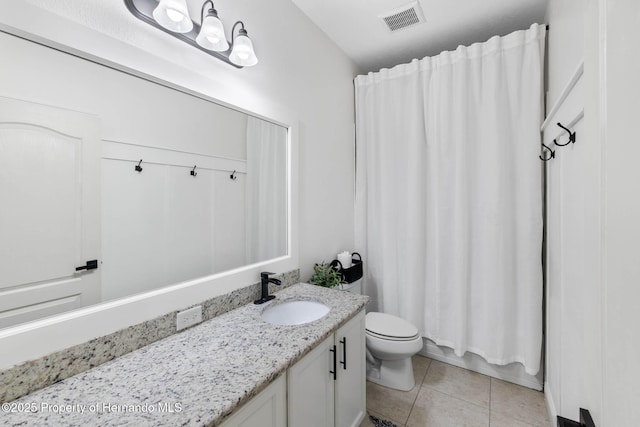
(302, 77)
(621, 214)
(573, 377)
(565, 44)
(594, 332)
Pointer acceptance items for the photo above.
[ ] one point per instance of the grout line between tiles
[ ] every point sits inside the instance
(455, 396)
(419, 388)
(382, 416)
(490, 397)
(412, 405)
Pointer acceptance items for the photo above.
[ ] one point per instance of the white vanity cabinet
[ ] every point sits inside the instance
(267, 409)
(327, 387)
(310, 388)
(350, 387)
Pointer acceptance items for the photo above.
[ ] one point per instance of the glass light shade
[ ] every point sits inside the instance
(242, 52)
(173, 15)
(211, 34)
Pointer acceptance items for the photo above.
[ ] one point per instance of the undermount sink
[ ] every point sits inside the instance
(294, 312)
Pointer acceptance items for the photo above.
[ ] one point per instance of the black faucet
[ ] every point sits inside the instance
(265, 280)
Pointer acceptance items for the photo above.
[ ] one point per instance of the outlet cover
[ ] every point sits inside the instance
(189, 317)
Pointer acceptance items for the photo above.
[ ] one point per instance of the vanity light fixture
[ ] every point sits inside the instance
(211, 34)
(242, 51)
(172, 17)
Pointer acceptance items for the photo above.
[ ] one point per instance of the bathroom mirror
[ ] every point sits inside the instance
(157, 184)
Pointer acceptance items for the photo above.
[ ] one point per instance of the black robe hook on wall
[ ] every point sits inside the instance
(193, 171)
(233, 176)
(572, 137)
(138, 167)
(546, 159)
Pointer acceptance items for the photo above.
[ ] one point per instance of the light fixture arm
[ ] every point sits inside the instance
(212, 10)
(241, 47)
(233, 30)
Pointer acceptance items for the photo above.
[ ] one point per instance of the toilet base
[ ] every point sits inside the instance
(396, 374)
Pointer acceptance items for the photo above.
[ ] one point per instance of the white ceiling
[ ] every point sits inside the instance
(355, 26)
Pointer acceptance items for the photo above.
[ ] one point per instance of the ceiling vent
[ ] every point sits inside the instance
(403, 17)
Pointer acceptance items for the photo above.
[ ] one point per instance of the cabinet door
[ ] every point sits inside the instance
(350, 387)
(310, 388)
(267, 409)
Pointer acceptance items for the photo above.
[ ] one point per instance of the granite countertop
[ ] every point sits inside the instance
(196, 377)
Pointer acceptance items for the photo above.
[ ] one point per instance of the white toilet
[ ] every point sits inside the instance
(391, 341)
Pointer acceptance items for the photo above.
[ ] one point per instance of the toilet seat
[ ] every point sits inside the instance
(388, 327)
(388, 338)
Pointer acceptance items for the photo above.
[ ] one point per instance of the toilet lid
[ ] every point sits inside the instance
(387, 325)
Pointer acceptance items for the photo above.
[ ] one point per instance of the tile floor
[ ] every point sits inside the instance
(448, 396)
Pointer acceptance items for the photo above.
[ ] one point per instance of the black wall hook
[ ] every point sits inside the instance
(138, 167)
(233, 175)
(572, 137)
(193, 172)
(546, 159)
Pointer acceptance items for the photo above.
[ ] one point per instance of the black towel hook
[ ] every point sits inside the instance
(546, 159)
(193, 171)
(233, 175)
(572, 137)
(138, 167)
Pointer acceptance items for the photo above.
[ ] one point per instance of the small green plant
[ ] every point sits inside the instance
(325, 275)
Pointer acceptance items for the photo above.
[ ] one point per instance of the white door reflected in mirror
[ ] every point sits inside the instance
(50, 216)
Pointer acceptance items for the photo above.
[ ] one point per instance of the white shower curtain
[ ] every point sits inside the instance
(266, 214)
(449, 197)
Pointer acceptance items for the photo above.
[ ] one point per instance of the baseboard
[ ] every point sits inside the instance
(551, 406)
(513, 373)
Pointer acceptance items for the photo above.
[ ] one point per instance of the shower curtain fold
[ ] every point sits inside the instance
(449, 197)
